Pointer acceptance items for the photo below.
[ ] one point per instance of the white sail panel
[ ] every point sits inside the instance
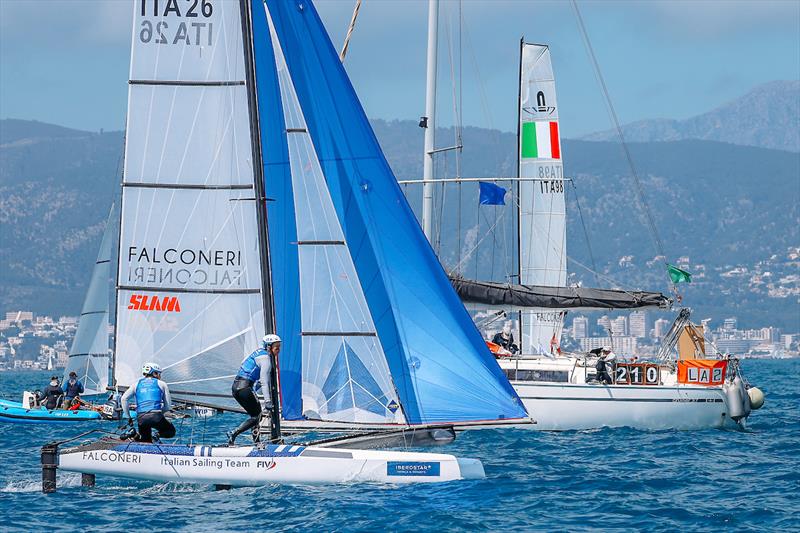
(542, 210)
(188, 135)
(189, 279)
(89, 355)
(189, 239)
(344, 370)
(195, 41)
(195, 337)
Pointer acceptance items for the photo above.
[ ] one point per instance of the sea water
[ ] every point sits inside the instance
(573, 480)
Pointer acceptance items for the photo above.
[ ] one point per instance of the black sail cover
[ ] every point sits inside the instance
(508, 294)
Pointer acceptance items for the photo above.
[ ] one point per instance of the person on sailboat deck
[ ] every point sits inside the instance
(152, 401)
(505, 338)
(72, 389)
(605, 364)
(52, 394)
(254, 374)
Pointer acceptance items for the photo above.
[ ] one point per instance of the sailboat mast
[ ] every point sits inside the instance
(261, 210)
(517, 184)
(429, 122)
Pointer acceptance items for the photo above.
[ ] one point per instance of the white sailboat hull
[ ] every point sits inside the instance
(575, 400)
(574, 407)
(253, 466)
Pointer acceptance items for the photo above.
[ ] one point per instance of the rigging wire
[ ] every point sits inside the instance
(585, 230)
(612, 112)
(350, 29)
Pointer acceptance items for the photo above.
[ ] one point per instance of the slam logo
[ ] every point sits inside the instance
(145, 302)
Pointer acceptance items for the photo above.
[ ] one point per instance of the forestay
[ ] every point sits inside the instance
(439, 367)
(89, 356)
(542, 215)
(189, 285)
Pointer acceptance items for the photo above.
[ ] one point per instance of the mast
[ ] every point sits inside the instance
(517, 186)
(261, 211)
(429, 121)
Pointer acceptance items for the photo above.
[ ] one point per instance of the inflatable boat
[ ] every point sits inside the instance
(16, 412)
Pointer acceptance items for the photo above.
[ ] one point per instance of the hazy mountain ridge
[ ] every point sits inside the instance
(718, 203)
(768, 116)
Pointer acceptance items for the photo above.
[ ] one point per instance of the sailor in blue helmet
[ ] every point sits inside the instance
(72, 388)
(152, 401)
(254, 374)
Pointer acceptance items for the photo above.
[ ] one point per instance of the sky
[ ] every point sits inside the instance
(66, 61)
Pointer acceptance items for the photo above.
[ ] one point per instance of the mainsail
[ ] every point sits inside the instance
(189, 292)
(89, 356)
(373, 332)
(542, 214)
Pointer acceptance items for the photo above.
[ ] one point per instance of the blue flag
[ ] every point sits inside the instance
(492, 194)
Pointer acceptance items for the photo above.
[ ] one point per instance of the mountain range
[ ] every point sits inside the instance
(722, 205)
(768, 116)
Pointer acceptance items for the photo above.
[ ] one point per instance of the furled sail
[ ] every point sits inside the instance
(527, 296)
(89, 356)
(189, 281)
(395, 299)
(542, 214)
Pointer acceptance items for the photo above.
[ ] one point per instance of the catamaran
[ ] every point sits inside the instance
(256, 199)
(686, 388)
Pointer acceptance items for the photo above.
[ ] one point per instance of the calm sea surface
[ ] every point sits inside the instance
(604, 479)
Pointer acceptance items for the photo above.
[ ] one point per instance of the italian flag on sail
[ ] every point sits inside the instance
(540, 140)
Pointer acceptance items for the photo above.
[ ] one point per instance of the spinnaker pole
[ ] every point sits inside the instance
(429, 120)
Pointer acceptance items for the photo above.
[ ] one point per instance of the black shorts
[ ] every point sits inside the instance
(154, 420)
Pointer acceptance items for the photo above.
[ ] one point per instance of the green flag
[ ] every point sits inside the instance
(677, 275)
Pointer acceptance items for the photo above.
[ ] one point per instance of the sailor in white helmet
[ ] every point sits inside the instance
(152, 401)
(254, 374)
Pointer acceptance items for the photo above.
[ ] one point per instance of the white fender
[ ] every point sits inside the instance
(756, 397)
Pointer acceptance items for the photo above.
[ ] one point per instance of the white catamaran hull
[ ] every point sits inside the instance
(571, 407)
(252, 466)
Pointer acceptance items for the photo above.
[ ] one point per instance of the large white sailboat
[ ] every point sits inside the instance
(682, 389)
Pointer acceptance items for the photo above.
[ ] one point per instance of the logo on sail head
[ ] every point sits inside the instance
(149, 302)
(541, 107)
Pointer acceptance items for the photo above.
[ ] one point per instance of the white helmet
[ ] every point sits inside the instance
(151, 368)
(269, 340)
